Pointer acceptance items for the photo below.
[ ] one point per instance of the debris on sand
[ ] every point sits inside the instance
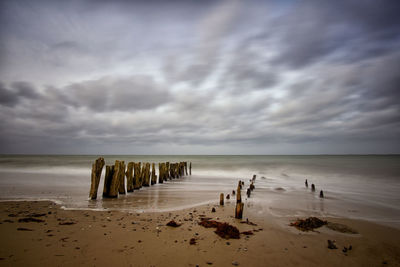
(66, 223)
(192, 241)
(29, 219)
(173, 224)
(247, 233)
(213, 210)
(308, 224)
(331, 244)
(224, 230)
(209, 223)
(38, 214)
(24, 229)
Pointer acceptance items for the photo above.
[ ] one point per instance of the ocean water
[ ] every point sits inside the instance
(360, 187)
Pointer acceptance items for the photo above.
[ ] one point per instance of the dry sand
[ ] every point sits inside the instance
(113, 238)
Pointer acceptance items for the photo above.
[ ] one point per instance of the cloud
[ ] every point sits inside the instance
(183, 77)
(117, 93)
(18, 90)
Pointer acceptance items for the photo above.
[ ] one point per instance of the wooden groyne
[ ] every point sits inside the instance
(120, 178)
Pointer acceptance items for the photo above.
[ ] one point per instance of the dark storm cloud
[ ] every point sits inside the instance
(114, 94)
(348, 30)
(200, 77)
(18, 90)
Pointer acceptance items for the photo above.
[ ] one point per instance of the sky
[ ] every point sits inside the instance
(200, 77)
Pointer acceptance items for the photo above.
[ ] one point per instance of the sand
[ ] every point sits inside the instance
(114, 238)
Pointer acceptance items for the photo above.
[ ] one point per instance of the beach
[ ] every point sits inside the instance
(114, 238)
(47, 219)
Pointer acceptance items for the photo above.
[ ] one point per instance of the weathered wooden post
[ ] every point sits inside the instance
(146, 178)
(97, 168)
(238, 195)
(252, 186)
(321, 194)
(129, 177)
(153, 174)
(167, 172)
(175, 170)
(142, 174)
(306, 183)
(137, 176)
(190, 168)
(221, 199)
(239, 204)
(239, 211)
(182, 166)
(107, 180)
(171, 171)
(312, 187)
(160, 173)
(114, 186)
(248, 192)
(186, 168)
(121, 187)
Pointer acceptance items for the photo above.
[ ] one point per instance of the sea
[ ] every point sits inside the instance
(365, 187)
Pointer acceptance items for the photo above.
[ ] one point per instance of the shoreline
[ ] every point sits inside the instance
(120, 238)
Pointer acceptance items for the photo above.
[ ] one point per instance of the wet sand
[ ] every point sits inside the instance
(114, 238)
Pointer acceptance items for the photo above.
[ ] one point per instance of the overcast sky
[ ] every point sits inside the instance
(200, 77)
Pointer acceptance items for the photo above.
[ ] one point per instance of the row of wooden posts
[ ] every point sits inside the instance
(321, 193)
(136, 173)
(239, 203)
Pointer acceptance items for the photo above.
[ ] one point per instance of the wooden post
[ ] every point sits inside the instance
(239, 210)
(252, 186)
(167, 172)
(171, 171)
(146, 175)
(239, 204)
(240, 184)
(114, 186)
(121, 187)
(248, 192)
(186, 168)
(153, 174)
(129, 177)
(97, 168)
(190, 168)
(160, 173)
(306, 183)
(221, 199)
(182, 168)
(175, 170)
(312, 187)
(238, 195)
(137, 175)
(107, 180)
(142, 174)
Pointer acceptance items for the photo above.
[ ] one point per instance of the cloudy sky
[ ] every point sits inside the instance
(200, 77)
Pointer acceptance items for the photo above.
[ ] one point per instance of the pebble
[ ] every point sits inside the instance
(235, 263)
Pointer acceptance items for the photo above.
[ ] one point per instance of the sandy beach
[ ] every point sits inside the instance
(57, 237)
